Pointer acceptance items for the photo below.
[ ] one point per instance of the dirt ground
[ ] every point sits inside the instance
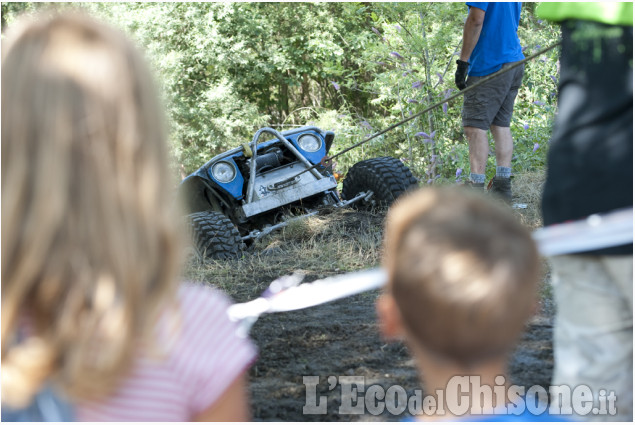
(342, 339)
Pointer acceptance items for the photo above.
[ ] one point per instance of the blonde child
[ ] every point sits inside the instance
(91, 304)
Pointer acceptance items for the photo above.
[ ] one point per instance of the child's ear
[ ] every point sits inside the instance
(389, 318)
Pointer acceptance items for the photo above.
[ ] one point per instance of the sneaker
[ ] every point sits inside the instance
(501, 187)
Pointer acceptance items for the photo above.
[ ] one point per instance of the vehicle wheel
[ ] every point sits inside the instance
(386, 176)
(215, 236)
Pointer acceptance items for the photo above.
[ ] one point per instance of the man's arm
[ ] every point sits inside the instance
(471, 32)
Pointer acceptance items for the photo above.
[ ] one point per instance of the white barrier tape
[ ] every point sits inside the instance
(308, 295)
(594, 232)
(284, 294)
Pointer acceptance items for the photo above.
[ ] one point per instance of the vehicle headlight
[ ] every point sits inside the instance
(224, 172)
(309, 142)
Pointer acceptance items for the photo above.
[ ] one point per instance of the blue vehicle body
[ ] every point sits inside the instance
(246, 191)
(235, 187)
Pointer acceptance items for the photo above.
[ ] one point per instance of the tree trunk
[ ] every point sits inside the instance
(306, 100)
(284, 101)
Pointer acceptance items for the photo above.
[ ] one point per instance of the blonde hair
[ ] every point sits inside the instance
(90, 248)
(463, 272)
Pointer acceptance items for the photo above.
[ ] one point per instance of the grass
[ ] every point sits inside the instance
(527, 189)
(339, 241)
(319, 246)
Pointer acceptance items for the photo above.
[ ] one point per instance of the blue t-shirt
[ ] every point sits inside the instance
(498, 43)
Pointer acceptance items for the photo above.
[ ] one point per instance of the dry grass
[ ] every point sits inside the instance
(340, 241)
(319, 246)
(527, 189)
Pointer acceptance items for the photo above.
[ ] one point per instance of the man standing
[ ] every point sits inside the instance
(590, 171)
(490, 42)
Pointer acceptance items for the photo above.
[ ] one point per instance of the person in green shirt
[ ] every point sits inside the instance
(590, 171)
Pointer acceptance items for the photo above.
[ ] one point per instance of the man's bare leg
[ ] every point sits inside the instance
(504, 145)
(479, 149)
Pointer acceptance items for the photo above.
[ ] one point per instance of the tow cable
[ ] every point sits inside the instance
(326, 161)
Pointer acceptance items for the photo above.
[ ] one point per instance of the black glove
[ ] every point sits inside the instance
(461, 74)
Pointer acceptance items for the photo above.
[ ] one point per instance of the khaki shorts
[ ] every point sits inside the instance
(493, 102)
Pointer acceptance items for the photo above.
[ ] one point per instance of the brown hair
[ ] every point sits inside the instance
(90, 250)
(463, 272)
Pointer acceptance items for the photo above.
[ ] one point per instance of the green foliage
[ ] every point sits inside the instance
(10, 10)
(226, 69)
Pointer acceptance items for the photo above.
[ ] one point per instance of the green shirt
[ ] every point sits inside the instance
(612, 13)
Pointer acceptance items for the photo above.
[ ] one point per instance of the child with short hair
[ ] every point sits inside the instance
(463, 276)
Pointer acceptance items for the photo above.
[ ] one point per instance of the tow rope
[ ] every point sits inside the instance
(287, 294)
(326, 161)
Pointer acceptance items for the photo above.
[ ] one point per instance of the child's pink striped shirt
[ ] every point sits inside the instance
(204, 358)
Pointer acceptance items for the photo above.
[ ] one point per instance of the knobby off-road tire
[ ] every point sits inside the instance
(214, 236)
(386, 176)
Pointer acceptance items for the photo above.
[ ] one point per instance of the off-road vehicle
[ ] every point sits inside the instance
(255, 188)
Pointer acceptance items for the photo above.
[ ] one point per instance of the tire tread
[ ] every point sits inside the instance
(214, 236)
(388, 177)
